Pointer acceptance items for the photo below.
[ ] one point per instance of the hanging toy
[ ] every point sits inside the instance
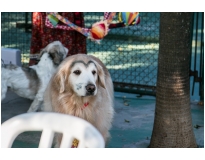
(98, 30)
(96, 33)
(54, 21)
(129, 18)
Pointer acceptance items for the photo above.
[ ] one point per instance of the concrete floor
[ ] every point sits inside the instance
(132, 125)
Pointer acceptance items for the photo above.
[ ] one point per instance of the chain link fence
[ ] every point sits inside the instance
(15, 32)
(130, 53)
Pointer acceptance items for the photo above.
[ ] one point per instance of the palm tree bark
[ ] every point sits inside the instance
(173, 123)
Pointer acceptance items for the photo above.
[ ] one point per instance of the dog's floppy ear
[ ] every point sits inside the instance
(60, 80)
(62, 75)
(56, 56)
(101, 75)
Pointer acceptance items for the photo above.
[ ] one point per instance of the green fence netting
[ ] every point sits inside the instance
(130, 53)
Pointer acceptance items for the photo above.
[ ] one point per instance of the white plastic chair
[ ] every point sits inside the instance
(71, 127)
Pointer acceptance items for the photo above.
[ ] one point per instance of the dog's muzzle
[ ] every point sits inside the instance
(90, 88)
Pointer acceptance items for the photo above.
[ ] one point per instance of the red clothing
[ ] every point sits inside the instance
(42, 35)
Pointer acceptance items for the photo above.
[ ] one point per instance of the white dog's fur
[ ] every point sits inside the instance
(82, 87)
(31, 82)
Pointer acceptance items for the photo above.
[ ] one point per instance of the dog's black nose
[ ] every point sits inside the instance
(90, 88)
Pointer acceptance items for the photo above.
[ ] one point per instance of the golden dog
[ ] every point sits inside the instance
(82, 86)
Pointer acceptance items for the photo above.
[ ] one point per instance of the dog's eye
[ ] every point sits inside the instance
(93, 72)
(77, 72)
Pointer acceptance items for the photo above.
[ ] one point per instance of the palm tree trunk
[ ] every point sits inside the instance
(173, 122)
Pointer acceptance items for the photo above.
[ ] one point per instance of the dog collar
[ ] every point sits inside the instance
(85, 105)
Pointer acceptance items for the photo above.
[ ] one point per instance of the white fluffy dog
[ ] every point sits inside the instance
(32, 81)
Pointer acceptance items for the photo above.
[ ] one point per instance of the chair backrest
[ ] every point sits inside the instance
(71, 127)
